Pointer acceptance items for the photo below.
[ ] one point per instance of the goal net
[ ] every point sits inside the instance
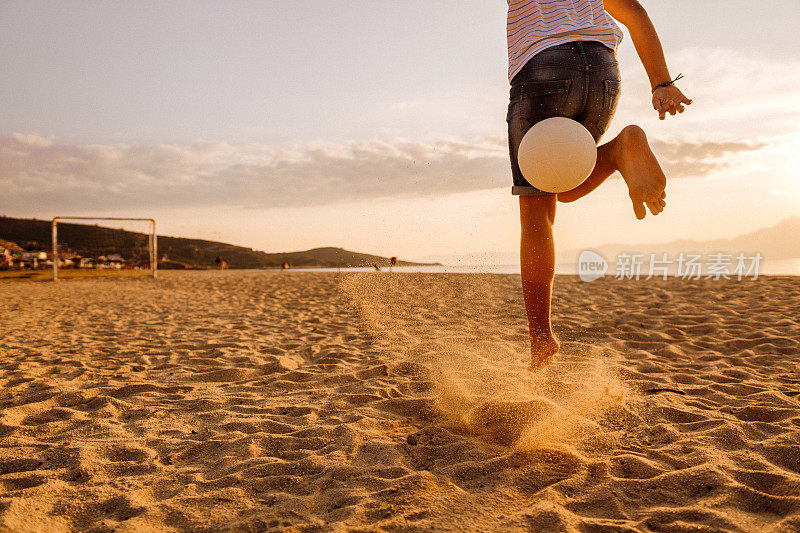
(82, 244)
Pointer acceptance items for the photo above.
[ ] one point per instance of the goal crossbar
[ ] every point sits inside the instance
(152, 244)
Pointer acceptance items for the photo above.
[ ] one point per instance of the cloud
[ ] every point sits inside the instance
(38, 173)
(744, 107)
(43, 174)
(684, 159)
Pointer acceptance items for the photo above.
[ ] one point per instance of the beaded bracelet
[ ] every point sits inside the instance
(667, 83)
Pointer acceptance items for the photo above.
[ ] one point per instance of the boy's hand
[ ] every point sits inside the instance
(669, 99)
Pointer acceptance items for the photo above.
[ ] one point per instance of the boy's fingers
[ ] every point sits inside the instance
(671, 106)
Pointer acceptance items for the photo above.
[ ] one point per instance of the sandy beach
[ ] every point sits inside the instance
(270, 401)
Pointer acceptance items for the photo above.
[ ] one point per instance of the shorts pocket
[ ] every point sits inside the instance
(611, 95)
(538, 99)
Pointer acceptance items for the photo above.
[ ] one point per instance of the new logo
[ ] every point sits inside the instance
(591, 266)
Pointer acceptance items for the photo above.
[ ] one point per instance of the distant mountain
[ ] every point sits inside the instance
(781, 241)
(94, 241)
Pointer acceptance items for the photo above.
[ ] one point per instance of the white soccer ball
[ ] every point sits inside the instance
(557, 154)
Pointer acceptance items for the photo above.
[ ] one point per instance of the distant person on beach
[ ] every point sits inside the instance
(562, 63)
(221, 263)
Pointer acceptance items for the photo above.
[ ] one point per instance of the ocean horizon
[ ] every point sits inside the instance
(776, 267)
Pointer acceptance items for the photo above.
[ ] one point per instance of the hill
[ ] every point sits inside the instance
(94, 240)
(775, 242)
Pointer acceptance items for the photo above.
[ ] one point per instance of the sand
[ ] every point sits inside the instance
(290, 401)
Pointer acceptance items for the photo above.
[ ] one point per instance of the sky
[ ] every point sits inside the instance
(376, 126)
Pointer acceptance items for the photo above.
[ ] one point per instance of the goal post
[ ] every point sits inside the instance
(152, 241)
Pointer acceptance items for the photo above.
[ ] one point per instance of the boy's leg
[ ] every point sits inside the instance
(629, 152)
(537, 265)
(603, 168)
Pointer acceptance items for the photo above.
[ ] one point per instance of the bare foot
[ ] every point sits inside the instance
(543, 349)
(641, 171)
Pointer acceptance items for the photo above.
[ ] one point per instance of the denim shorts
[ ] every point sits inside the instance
(578, 80)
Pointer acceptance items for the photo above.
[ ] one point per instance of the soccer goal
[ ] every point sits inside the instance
(93, 246)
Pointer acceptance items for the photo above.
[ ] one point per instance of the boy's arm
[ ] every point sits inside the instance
(645, 39)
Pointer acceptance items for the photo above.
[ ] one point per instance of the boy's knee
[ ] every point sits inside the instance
(633, 132)
(567, 197)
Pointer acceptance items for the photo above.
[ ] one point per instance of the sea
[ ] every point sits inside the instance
(777, 267)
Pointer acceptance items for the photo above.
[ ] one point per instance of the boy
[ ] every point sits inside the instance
(562, 62)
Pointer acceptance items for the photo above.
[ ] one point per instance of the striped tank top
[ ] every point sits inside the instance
(534, 25)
